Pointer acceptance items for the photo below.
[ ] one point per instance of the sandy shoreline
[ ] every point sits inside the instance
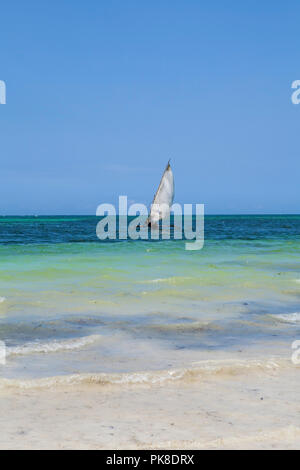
(258, 410)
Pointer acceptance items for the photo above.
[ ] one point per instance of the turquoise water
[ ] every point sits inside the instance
(71, 303)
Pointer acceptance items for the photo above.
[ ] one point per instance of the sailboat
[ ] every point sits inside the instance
(163, 198)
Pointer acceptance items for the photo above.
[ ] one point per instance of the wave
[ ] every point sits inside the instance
(2, 299)
(169, 280)
(203, 369)
(288, 317)
(52, 346)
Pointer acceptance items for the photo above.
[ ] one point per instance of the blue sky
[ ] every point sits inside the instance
(100, 94)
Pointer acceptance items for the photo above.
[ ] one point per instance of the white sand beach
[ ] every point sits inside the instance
(231, 408)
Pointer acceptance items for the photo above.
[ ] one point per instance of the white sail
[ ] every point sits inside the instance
(163, 199)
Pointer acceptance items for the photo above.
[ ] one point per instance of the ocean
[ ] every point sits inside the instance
(74, 306)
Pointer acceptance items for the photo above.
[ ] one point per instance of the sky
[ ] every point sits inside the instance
(100, 94)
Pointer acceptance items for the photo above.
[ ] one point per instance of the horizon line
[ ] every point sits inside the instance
(206, 214)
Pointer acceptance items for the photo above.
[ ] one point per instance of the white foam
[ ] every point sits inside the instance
(203, 369)
(53, 346)
(2, 299)
(171, 280)
(288, 317)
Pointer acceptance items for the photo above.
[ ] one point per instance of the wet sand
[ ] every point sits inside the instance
(245, 409)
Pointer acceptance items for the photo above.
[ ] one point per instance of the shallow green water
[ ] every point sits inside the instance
(72, 303)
